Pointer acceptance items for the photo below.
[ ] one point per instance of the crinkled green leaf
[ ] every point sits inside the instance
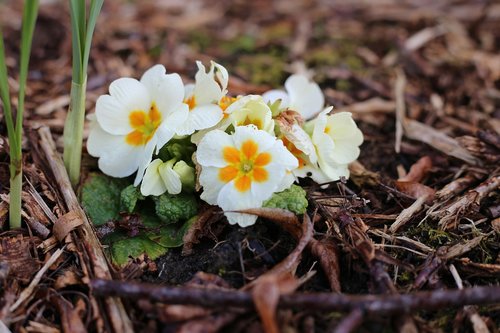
(174, 208)
(292, 199)
(126, 248)
(101, 197)
(129, 197)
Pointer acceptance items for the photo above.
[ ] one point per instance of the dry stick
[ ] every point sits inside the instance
(98, 265)
(350, 322)
(373, 304)
(399, 92)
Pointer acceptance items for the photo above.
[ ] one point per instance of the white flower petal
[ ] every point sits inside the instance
(209, 179)
(130, 93)
(286, 182)
(282, 156)
(302, 141)
(345, 152)
(263, 139)
(241, 102)
(101, 142)
(188, 90)
(201, 117)
(152, 184)
(333, 172)
(272, 96)
(112, 115)
(170, 178)
(305, 96)
(209, 152)
(343, 127)
(171, 124)
(222, 76)
(120, 162)
(126, 95)
(206, 89)
(166, 90)
(144, 159)
(231, 199)
(276, 174)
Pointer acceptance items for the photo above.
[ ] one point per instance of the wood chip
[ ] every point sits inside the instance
(418, 131)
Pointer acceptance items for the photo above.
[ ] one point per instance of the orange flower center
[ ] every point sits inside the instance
(295, 151)
(245, 165)
(144, 125)
(225, 102)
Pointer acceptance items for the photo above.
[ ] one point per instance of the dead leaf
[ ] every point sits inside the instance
(418, 171)
(416, 190)
(328, 254)
(198, 229)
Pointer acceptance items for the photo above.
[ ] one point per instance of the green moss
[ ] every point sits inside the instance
(262, 68)
(243, 43)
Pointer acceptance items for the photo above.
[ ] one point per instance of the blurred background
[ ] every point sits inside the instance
(446, 51)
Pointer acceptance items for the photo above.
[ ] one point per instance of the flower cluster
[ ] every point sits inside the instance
(239, 150)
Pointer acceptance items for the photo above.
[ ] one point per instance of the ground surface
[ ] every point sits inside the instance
(420, 212)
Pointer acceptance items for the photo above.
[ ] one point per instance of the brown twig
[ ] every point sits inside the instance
(379, 304)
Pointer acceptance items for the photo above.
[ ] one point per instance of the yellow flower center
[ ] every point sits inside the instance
(225, 102)
(144, 125)
(191, 102)
(248, 121)
(327, 129)
(245, 165)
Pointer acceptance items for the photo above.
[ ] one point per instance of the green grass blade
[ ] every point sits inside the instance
(30, 13)
(5, 95)
(77, 37)
(95, 9)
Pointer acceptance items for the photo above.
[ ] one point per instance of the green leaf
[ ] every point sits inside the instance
(173, 208)
(5, 96)
(77, 29)
(30, 13)
(95, 8)
(124, 249)
(171, 235)
(101, 197)
(292, 199)
(129, 197)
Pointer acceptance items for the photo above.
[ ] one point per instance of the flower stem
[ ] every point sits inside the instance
(73, 131)
(16, 183)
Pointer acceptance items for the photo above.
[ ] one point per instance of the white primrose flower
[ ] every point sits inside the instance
(251, 110)
(242, 111)
(242, 170)
(301, 95)
(337, 139)
(134, 119)
(170, 176)
(206, 98)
